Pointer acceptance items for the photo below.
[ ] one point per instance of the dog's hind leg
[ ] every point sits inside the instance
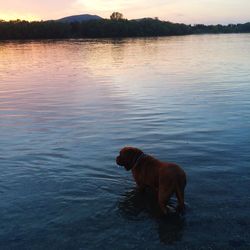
(163, 198)
(179, 191)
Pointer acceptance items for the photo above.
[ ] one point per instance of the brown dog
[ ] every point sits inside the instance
(164, 178)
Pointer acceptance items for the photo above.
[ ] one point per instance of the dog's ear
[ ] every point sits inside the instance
(129, 156)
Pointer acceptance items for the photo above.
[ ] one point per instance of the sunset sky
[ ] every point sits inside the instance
(186, 11)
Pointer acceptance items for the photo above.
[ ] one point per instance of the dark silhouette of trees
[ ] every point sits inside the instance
(19, 29)
(116, 16)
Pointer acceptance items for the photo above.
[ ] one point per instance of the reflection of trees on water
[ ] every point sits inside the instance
(136, 204)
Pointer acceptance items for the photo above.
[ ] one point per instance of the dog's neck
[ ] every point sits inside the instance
(138, 159)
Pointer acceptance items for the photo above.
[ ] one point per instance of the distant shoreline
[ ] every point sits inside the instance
(106, 28)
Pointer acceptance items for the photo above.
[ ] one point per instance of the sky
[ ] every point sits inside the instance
(181, 11)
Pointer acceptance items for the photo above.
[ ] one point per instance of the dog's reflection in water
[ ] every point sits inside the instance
(135, 202)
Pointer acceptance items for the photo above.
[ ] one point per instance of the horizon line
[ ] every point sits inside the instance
(41, 20)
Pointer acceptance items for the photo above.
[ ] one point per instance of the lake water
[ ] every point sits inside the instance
(66, 109)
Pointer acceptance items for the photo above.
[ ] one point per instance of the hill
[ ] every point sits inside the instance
(79, 18)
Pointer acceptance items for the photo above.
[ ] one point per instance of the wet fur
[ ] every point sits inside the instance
(164, 178)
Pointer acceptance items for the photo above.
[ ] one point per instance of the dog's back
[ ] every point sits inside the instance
(165, 178)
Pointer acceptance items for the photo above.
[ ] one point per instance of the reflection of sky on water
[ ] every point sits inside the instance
(67, 107)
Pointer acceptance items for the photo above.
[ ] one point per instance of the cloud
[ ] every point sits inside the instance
(107, 5)
(35, 8)
(112, 5)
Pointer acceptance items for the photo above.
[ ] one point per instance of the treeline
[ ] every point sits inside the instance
(108, 28)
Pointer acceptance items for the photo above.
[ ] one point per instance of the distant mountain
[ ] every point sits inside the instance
(79, 18)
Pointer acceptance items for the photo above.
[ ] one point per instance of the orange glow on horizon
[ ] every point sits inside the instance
(15, 16)
(181, 11)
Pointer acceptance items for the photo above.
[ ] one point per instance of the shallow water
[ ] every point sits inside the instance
(66, 109)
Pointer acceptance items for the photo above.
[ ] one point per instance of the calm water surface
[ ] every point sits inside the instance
(66, 109)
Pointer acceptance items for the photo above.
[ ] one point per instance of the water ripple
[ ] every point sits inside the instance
(66, 109)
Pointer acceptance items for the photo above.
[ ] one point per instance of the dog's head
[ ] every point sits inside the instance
(128, 157)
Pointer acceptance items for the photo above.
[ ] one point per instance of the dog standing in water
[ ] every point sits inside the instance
(164, 178)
